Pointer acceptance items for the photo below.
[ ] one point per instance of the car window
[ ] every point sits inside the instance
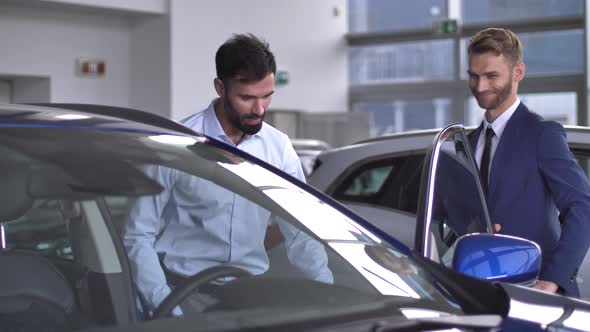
(392, 182)
(43, 229)
(583, 158)
(116, 214)
(458, 207)
(369, 182)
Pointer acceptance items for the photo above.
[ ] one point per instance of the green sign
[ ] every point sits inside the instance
(446, 27)
(282, 77)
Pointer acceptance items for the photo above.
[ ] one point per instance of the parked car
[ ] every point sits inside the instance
(380, 179)
(307, 150)
(68, 177)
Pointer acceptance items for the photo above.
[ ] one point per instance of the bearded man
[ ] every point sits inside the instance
(194, 224)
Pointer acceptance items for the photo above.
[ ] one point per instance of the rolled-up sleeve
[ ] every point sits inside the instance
(305, 253)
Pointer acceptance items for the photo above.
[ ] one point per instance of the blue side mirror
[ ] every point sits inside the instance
(497, 257)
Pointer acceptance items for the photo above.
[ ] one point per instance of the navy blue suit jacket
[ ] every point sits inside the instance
(533, 176)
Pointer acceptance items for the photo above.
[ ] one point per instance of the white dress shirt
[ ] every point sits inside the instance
(498, 126)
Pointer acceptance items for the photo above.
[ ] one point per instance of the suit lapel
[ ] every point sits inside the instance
(504, 149)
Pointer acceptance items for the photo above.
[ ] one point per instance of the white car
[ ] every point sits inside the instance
(307, 150)
(379, 179)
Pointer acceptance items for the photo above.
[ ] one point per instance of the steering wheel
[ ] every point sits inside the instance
(180, 292)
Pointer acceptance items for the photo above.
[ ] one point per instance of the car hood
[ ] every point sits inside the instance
(548, 310)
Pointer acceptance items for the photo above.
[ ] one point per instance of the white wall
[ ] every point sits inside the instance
(31, 90)
(305, 36)
(134, 6)
(46, 42)
(165, 64)
(150, 65)
(5, 92)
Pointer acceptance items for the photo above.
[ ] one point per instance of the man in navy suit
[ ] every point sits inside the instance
(534, 187)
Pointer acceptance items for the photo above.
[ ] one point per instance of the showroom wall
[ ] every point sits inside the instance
(45, 43)
(150, 65)
(305, 35)
(159, 54)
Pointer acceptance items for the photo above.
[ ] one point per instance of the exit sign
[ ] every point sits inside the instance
(447, 27)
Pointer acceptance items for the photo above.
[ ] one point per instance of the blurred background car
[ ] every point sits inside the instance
(307, 150)
(380, 180)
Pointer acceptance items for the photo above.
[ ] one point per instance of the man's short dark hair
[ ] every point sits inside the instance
(244, 57)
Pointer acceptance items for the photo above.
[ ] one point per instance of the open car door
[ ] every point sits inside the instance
(453, 225)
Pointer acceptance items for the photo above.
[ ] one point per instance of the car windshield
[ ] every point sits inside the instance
(132, 219)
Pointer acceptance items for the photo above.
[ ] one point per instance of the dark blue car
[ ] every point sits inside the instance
(70, 174)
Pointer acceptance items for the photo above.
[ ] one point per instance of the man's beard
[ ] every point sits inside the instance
(501, 96)
(237, 120)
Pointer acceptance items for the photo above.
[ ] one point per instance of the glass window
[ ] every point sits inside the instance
(556, 106)
(458, 207)
(544, 52)
(368, 183)
(42, 229)
(401, 115)
(189, 208)
(393, 183)
(480, 11)
(402, 62)
(583, 158)
(387, 15)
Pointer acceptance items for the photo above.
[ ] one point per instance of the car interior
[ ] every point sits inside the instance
(60, 268)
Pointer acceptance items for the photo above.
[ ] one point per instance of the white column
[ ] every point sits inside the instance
(441, 105)
(454, 9)
(398, 115)
(361, 13)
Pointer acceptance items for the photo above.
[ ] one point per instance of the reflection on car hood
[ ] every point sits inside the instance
(548, 310)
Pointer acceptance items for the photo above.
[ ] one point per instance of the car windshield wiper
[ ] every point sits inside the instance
(436, 323)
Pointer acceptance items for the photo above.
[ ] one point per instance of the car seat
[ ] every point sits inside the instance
(34, 294)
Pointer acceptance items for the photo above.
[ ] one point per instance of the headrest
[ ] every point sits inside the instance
(14, 197)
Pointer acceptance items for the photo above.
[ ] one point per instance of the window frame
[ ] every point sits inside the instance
(457, 88)
(381, 197)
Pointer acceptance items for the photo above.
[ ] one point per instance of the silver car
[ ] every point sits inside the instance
(308, 150)
(380, 179)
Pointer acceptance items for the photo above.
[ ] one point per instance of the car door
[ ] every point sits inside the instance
(451, 201)
(579, 142)
(385, 192)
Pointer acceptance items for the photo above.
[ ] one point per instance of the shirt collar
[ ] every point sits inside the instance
(500, 123)
(213, 128)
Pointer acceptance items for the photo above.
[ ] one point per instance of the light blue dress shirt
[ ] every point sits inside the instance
(199, 224)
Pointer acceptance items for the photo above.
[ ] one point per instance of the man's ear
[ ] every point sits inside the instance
(219, 87)
(519, 71)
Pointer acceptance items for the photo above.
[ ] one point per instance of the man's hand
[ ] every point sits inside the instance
(546, 286)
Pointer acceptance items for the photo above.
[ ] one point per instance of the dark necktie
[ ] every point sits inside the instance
(484, 168)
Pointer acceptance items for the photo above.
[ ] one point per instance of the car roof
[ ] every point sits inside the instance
(309, 144)
(88, 116)
(416, 140)
(408, 133)
(569, 129)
